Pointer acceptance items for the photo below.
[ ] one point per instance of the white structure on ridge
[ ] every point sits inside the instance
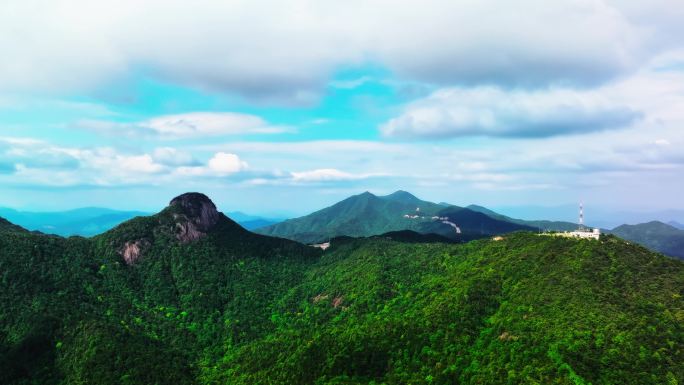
(583, 232)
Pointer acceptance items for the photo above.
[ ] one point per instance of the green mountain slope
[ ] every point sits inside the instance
(366, 215)
(656, 236)
(543, 225)
(187, 296)
(527, 309)
(91, 313)
(7, 226)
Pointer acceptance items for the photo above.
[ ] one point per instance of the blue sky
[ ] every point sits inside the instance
(280, 108)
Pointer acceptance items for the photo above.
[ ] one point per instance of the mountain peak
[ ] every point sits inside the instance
(401, 196)
(197, 214)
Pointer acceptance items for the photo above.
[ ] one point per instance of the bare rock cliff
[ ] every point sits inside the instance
(132, 251)
(197, 215)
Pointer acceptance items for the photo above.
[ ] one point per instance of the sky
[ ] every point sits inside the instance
(284, 107)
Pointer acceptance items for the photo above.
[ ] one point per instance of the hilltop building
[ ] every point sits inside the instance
(582, 231)
(585, 233)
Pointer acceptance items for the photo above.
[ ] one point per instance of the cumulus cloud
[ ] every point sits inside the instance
(43, 163)
(33, 153)
(287, 54)
(188, 125)
(223, 163)
(489, 111)
(141, 164)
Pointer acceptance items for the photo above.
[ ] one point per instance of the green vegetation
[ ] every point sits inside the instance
(235, 307)
(656, 236)
(365, 215)
(543, 225)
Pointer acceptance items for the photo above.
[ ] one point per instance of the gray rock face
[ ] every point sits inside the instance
(132, 251)
(198, 215)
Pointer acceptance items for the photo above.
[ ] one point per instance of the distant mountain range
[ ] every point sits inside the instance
(596, 215)
(86, 221)
(655, 235)
(89, 221)
(251, 222)
(366, 215)
(676, 224)
(543, 225)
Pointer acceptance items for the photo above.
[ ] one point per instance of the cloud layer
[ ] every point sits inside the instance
(286, 51)
(489, 111)
(188, 125)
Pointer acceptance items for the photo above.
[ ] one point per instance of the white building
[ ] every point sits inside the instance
(588, 233)
(581, 232)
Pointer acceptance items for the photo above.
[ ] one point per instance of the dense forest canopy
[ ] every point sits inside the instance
(226, 306)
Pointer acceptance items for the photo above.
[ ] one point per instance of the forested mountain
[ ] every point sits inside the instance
(543, 225)
(188, 296)
(7, 226)
(656, 236)
(367, 214)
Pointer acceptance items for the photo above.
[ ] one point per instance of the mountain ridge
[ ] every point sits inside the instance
(366, 214)
(655, 235)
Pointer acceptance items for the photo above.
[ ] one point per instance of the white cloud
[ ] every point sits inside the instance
(325, 174)
(221, 164)
(173, 157)
(140, 163)
(318, 177)
(224, 164)
(30, 161)
(209, 124)
(489, 111)
(188, 125)
(286, 51)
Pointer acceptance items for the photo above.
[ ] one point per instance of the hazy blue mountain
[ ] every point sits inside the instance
(251, 222)
(366, 215)
(89, 221)
(655, 235)
(676, 224)
(543, 225)
(85, 221)
(597, 216)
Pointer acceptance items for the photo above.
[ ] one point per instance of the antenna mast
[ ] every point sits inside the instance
(581, 217)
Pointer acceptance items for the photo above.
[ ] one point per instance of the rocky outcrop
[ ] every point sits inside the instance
(132, 250)
(196, 214)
